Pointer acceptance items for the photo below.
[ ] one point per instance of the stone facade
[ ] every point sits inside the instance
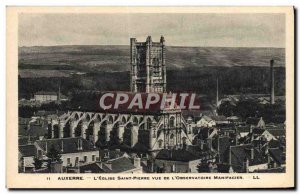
(148, 68)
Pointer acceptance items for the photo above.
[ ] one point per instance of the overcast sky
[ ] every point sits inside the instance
(223, 30)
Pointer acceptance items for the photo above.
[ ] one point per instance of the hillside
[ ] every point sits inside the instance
(116, 58)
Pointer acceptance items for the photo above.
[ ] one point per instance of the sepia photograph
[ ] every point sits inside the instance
(143, 95)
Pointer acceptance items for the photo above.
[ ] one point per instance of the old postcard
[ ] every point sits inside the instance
(150, 97)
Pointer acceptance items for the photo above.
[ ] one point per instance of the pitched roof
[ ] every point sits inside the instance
(92, 168)
(219, 118)
(252, 120)
(27, 150)
(44, 113)
(176, 155)
(111, 154)
(25, 140)
(206, 118)
(224, 144)
(278, 155)
(277, 133)
(118, 165)
(45, 93)
(257, 131)
(274, 143)
(66, 145)
(239, 154)
(271, 170)
(243, 129)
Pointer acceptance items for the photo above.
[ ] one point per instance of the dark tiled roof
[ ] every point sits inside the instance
(111, 154)
(271, 170)
(69, 145)
(219, 118)
(44, 113)
(239, 154)
(24, 121)
(118, 165)
(204, 132)
(224, 144)
(92, 168)
(278, 155)
(176, 155)
(25, 140)
(252, 120)
(27, 150)
(46, 93)
(243, 129)
(277, 133)
(274, 143)
(257, 131)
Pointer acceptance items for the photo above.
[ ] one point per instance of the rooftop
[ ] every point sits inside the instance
(27, 150)
(66, 145)
(176, 155)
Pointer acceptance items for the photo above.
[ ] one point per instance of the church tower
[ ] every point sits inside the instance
(148, 67)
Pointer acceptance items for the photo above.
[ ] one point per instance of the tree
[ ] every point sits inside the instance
(37, 163)
(203, 167)
(53, 156)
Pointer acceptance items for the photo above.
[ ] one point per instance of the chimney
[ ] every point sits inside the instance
(201, 144)
(252, 153)
(272, 97)
(217, 95)
(137, 162)
(246, 165)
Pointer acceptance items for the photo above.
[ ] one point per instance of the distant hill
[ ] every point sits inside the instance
(117, 58)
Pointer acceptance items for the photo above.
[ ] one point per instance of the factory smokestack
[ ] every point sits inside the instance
(272, 92)
(217, 94)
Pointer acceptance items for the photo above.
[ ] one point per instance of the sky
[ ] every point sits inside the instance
(214, 30)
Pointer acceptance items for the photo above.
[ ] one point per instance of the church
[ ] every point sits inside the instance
(145, 131)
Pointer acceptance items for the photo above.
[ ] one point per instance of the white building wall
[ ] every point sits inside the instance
(258, 167)
(80, 155)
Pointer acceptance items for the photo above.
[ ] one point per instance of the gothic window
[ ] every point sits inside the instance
(154, 134)
(184, 140)
(172, 140)
(172, 122)
(135, 120)
(124, 120)
(148, 123)
(160, 143)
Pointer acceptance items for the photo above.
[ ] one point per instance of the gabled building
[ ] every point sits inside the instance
(276, 157)
(205, 121)
(178, 161)
(247, 158)
(220, 119)
(118, 165)
(256, 122)
(26, 157)
(73, 151)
